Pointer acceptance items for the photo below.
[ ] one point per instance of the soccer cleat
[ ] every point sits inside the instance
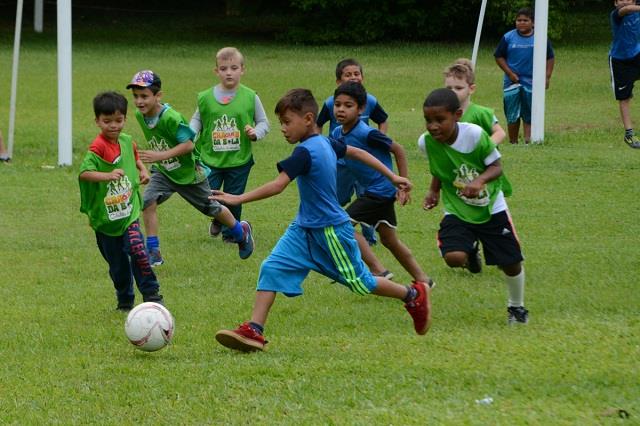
(244, 338)
(214, 229)
(474, 260)
(632, 141)
(517, 314)
(154, 297)
(124, 306)
(420, 308)
(246, 246)
(385, 274)
(155, 258)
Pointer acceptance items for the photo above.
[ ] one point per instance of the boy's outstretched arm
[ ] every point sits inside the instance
(150, 156)
(95, 176)
(625, 10)
(364, 157)
(267, 190)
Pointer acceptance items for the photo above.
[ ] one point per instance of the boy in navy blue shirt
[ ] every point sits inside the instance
(374, 206)
(321, 237)
(624, 61)
(514, 56)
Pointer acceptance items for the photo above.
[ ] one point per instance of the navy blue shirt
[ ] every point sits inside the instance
(314, 164)
(626, 35)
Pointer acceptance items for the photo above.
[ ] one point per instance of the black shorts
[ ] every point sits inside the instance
(624, 72)
(372, 210)
(498, 237)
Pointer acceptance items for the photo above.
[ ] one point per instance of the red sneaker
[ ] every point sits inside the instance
(243, 338)
(420, 308)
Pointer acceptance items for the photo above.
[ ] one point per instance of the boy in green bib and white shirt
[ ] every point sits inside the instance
(175, 167)
(109, 179)
(229, 118)
(466, 167)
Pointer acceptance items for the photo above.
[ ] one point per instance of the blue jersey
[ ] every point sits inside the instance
(626, 35)
(372, 111)
(375, 143)
(518, 52)
(314, 164)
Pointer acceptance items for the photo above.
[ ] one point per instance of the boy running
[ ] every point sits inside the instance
(321, 237)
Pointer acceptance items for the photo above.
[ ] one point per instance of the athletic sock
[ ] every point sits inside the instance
(628, 133)
(237, 232)
(515, 289)
(412, 293)
(153, 242)
(257, 327)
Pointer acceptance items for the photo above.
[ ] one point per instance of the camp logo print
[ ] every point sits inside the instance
(161, 145)
(465, 175)
(118, 198)
(225, 135)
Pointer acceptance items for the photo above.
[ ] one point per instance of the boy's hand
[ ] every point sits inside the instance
(223, 197)
(473, 188)
(144, 176)
(149, 156)
(402, 183)
(514, 77)
(251, 132)
(116, 174)
(403, 197)
(431, 200)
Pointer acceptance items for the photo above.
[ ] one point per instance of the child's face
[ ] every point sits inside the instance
(346, 109)
(524, 25)
(146, 102)
(622, 3)
(229, 72)
(351, 73)
(441, 123)
(462, 89)
(111, 125)
(296, 127)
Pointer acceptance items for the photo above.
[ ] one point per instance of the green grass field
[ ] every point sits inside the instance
(334, 358)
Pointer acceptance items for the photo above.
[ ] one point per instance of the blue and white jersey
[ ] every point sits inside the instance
(375, 143)
(626, 35)
(314, 163)
(372, 111)
(518, 52)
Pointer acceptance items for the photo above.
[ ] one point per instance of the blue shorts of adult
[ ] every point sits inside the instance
(331, 251)
(517, 104)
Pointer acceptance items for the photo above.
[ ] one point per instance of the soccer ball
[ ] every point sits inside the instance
(149, 326)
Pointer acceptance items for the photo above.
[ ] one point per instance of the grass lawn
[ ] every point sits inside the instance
(334, 358)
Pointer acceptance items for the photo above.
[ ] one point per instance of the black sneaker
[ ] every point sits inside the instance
(474, 260)
(124, 306)
(632, 141)
(517, 314)
(154, 297)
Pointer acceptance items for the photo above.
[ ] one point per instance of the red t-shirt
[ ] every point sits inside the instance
(108, 150)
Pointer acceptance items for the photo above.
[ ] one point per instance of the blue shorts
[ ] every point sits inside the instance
(331, 251)
(517, 104)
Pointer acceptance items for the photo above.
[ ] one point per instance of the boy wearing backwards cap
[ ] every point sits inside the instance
(175, 167)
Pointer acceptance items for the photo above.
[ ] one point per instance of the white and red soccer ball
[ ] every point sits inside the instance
(149, 326)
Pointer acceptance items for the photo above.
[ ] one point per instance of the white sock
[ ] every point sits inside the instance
(515, 289)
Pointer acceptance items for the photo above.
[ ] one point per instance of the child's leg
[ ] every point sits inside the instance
(112, 250)
(513, 130)
(401, 252)
(417, 300)
(526, 131)
(158, 190)
(511, 103)
(374, 264)
(142, 272)
(262, 306)
(625, 113)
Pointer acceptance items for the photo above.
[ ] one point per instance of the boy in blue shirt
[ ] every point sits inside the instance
(321, 237)
(514, 56)
(624, 61)
(374, 206)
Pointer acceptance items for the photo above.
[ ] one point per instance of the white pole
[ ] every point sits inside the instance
(37, 15)
(539, 70)
(476, 43)
(64, 83)
(14, 78)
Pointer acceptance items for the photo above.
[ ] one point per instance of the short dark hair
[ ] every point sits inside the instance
(354, 90)
(300, 101)
(107, 103)
(445, 98)
(526, 11)
(345, 63)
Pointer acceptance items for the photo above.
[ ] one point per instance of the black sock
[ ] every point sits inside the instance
(628, 132)
(257, 327)
(412, 293)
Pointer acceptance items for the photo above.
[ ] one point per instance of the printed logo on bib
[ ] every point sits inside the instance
(225, 135)
(118, 198)
(465, 175)
(161, 145)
